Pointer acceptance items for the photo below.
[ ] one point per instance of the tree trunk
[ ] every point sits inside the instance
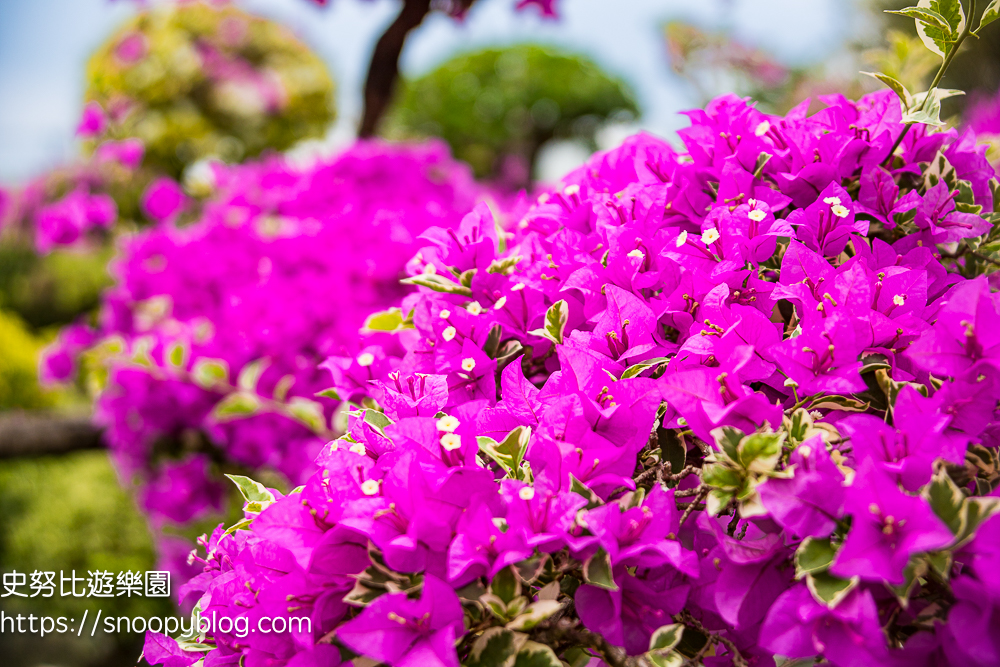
(25, 434)
(384, 68)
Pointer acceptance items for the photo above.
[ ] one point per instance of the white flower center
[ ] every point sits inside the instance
(682, 239)
(366, 359)
(637, 254)
(448, 334)
(832, 201)
(447, 424)
(468, 364)
(710, 236)
(840, 211)
(474, 308)
(358, 448)
(762, 128)
(757, 215)
(526, 493)
(370, 487)
(571, 190)
(451, 441)
(517, 288)
(444, 314)
(501, 302)
(899, 299)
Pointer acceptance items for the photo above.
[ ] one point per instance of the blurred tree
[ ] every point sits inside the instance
(193, 80)
(497, 107)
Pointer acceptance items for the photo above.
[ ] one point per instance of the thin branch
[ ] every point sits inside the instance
(702, 492)
(383, 71)
(26, 434)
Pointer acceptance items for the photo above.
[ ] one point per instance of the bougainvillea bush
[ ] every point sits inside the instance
(724, 404)
(278, 274)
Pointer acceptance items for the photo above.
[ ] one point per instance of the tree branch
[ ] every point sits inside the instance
(383, 71)
(25, 434)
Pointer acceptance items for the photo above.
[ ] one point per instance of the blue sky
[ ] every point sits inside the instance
(44, 45)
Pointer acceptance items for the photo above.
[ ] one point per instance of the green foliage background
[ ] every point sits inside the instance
(495, 103)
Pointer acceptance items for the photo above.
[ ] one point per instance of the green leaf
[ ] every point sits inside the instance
(995, 187)
(388, 321)
(828, 589)
(178, 353)
(509, 452)
(506, 585)
(897, 87)
(926, 107)
(947, 501)
(534, 614)
(504, 266)
(597, 571)
(720, 476)
(251, 489)
(669, 659)
(210, 373)
(496, 647)
(330, 393)
(728, 439)
(760, 452)
(762, 161)
(928, 17)
(250, 374)
(666, 637)
(438, 284)
(529, 569)
(717, 500)
(672, 450)
(581, 489)
(990, 14)
(235, 406)
(307, 412)
(555, 322)
(533, 654)
(936, 39)
(842, 403)
(635, 369)
(916, 567)
(813, 555)
(242, 524)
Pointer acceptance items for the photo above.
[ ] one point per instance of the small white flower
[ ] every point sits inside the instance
(448, 334)
(523, 224)
(681, 421)
(751, 202)
(517, 288)
(526, 493)
(451, 441)
(474, 308)
(637, 254)
(370, 487)
(710, 236)
(501, 302)
(429, 269)
(757, 215)
(832, 201)
(816, 414)
(468, 364)
(840, 211)
(444, 314)
(762, 128)
(899, 299)
(571, 190)
(366, 359)
(358, 448)
(682, 239)
(543, 198)
(447, 424)
(805, 451)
